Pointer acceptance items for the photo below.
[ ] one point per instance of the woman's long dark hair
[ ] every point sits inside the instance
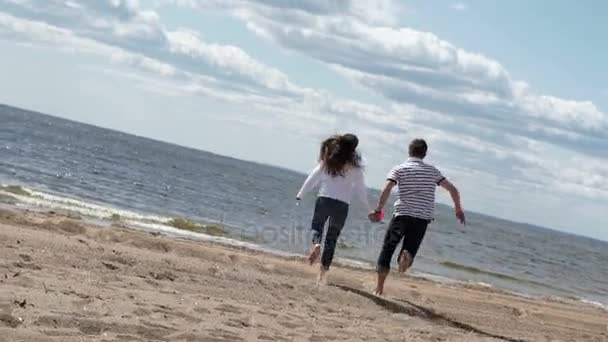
(326, 146)
(338, 152)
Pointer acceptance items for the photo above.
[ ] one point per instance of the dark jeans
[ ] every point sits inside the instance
(336, 211)
(411, 230)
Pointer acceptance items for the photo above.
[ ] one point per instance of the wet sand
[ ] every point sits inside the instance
(64, 279)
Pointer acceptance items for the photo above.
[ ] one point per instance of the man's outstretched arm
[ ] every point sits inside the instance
(386, 192)
(446, 184)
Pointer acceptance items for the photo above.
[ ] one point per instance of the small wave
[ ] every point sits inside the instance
(40, 199)
(435, 278)
(15, 190)
(356, 264)
(475, 270)
(602, 306)
(482, 284)
(502, 276)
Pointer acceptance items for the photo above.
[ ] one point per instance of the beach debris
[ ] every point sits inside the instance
(22, 303)
(110, 266)
(25, 257)
(84, 242)
(15, 190)
(163, 276)
(214, 270)
(46, 290)
(188, 225)
(519, 312)
(27, 266)
(70, 227)
(10, 321)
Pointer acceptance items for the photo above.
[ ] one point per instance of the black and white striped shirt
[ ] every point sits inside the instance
(417, 183)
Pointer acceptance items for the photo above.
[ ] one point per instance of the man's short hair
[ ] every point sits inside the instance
(418, 148)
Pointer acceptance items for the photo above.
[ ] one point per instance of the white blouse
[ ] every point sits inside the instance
(338, 187)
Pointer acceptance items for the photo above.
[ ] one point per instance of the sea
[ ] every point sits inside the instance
(51, 163)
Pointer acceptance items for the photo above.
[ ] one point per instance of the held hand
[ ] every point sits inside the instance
(460, 216)
(376, 216)
(373, 217)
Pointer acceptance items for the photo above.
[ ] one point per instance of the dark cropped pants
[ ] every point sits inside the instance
(407, 228)
(336, 212)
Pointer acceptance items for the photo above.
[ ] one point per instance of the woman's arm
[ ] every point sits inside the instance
(311, 181)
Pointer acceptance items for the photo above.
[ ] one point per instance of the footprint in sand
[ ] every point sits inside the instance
(28, 266)
(521, 313)
(141, 312)
(268, 313)
(290, 325)
(70, 227)
(240, 323)
(223, 335)
(227, 308)
(202, 311)
(25, 257)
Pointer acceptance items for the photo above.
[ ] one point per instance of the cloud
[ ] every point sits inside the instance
(130, 35)
(460, 6)
(408, 66)
(384, 12)
(482, 124)
(480, 113)
(171, 61)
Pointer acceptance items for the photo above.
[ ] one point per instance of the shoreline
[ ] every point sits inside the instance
(66, 279)
(101, 214)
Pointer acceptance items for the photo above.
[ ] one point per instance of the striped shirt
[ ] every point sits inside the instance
(417, 183)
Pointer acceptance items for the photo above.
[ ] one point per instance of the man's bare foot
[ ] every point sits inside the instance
(380, 283)
(405, 260)
(314, 253)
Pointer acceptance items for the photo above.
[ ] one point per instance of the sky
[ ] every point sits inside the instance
(512, 96)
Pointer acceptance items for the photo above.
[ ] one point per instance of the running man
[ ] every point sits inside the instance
(414, 209)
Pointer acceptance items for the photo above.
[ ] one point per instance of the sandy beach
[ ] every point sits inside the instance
(64, 279)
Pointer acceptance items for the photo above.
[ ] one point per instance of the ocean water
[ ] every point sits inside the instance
(100, 172)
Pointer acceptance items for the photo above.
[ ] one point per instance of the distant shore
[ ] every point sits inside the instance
(65, 279)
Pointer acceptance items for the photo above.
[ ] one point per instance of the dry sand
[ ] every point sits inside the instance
(63, 279)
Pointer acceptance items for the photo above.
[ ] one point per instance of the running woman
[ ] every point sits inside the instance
(339, 176)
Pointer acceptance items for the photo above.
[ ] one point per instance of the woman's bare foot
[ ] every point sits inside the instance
(322, 278)
(405, 260)
(314, 253)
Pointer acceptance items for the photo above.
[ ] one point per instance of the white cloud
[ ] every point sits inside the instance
(123, 32)
(412, 67)
(477, 118)
(459, 6)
